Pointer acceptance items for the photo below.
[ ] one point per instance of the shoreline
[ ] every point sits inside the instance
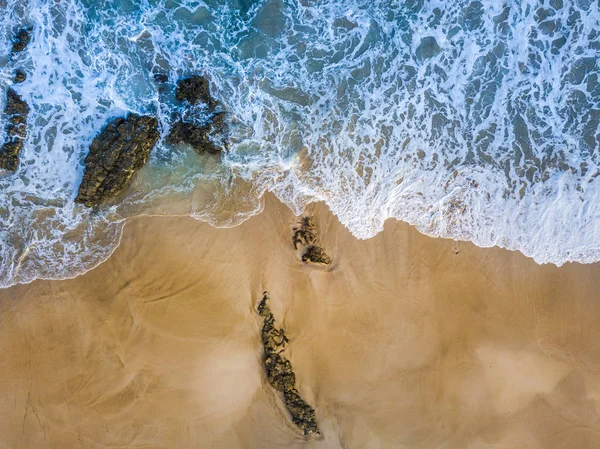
(321, 205)
(404, 341)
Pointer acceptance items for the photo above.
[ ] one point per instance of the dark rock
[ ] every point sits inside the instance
(306, 236)
(16, 109)
(116, 154)
(218, 124)
(198, 137)
(16, 130)
(306, 233)
(303, 415)
(20, 76)
(280, 373)
(315, 254)
(195, 89)
(21, 40)
(9, 154)
(264, 309)
(207, 138)
(161, 77)
(274, 340)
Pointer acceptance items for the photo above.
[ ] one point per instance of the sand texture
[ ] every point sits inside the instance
(402, 342)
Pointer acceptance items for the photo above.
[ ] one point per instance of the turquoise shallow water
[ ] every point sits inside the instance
(472, 120)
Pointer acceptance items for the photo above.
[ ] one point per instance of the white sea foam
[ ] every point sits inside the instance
(472, 120)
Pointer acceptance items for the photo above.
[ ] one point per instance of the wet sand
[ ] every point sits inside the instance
(405, 342)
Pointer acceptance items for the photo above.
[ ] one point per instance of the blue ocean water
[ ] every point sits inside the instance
(475, 120)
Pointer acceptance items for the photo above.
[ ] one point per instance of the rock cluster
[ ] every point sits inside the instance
(305, 235)
(116, 154)
(280, 373)
(16, 129)
(123, 146)
(17, 110)
(202, 138)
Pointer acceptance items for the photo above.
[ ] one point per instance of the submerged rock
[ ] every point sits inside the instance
(280, 374)
(195, 89)
(198, 137)
(21, 40)
(116, 154)
(428, 48)
(16, 130)
(20, 76)
(205, 138)
(161, 77)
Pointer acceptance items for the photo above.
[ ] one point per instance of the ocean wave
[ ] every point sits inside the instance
(473, 120)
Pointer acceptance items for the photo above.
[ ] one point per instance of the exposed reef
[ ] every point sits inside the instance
(280, 373)
(305, 236)
(115, 155)
(208, 137)
(16, 130)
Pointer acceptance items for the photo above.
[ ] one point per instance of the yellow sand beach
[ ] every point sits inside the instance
(404, 342)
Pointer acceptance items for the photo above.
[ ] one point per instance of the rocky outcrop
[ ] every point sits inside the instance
(208, 137)
(303, 415)
(280, 373)
(200, 138)
(116, 154)
(16, 129)
(16, 110)
(21, 40)
(305, 236)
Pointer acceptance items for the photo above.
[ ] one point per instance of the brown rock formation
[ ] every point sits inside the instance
(17, 110)
(21, 40)
(116, 154)
(205, 138)
(280, 373)
(195, 89)
(315, 254)
(305, 235)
